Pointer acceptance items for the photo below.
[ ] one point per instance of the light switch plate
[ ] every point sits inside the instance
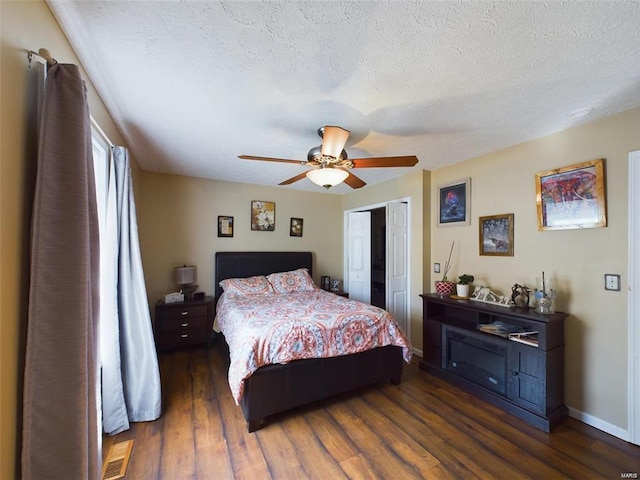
(436, 268)
(612, 282)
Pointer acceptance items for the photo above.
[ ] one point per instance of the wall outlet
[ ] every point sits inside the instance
(612, 281)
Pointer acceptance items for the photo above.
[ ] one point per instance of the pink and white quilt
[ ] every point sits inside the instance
(279, 328)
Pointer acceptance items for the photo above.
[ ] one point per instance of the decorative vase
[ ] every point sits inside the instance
(545, 296)
(445, 288)
(462, 290)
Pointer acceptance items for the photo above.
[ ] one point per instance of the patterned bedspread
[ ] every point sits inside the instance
(278, 328)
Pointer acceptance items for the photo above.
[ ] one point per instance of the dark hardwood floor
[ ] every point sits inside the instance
(423, 428)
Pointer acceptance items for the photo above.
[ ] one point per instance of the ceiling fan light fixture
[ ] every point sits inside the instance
(327, 177)
(333, 141)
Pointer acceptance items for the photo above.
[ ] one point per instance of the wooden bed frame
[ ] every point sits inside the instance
(277, 388)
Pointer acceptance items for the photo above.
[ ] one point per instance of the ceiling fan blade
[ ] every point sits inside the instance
(408, 161)
(354, 182)
(333, 141)
(291, 180)
(271, 159)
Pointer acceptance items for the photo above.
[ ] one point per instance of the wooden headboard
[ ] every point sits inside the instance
(248, 264)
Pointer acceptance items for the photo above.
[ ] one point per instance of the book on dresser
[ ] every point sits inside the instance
(528, 338)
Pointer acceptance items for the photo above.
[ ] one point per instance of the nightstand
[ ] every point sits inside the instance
(183, 324)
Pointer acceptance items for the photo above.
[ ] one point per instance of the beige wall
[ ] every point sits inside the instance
(24, 26)
(596, 331)
(416, 187)
(178, 225)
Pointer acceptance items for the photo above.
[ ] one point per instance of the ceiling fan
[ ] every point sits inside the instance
(331, 164)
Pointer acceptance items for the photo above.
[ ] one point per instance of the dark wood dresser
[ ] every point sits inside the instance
(183, 324)
(527, 380)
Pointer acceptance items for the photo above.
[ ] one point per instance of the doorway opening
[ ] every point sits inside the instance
(376, 255)
(379, 257)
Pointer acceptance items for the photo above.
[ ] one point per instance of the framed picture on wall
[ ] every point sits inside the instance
(263, 215)
(496, 235)
(295, 228)
(454, 203)
(225, 226)
(572, 197)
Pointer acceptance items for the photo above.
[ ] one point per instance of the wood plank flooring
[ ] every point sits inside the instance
(423, 428)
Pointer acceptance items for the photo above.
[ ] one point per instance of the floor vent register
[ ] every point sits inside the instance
(115, 466)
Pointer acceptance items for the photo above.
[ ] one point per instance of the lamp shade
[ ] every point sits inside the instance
(333, 141)
(327, 177)
(186, 275)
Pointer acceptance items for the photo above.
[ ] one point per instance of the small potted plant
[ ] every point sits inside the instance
(464, 282)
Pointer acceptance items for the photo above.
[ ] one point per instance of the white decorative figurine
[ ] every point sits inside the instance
(486, 295)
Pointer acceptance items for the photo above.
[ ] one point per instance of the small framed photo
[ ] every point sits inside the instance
(496, 235)
(225, 226)
(263, 216)
(295, 228)
(454, 203)
(572, 197)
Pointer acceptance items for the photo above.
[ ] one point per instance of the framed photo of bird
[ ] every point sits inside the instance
(454, 203)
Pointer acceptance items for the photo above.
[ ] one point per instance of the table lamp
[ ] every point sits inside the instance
(186, 277)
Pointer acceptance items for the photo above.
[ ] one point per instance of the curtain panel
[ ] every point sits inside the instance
(60, 404)
(130, 374)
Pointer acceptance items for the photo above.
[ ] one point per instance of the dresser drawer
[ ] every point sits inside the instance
(184, 311)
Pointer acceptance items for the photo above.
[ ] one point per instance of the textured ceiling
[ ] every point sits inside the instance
(192, 85)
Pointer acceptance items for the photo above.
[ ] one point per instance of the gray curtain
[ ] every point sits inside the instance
(60, 410)
(130, 376)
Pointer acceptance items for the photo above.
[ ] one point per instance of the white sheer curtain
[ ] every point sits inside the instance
(130, 374)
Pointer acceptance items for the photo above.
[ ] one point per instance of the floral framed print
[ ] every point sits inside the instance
(225, 226)
(454, 203)
(263, 216)
(295, 228)
(572, 197)
(496, 235)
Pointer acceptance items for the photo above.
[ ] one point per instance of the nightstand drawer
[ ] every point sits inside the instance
(194, 324)
(184, 311)
(181, 338)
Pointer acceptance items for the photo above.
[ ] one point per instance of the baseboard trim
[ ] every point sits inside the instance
(595, 422)
(417, 352)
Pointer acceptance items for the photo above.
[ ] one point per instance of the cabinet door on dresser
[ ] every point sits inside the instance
(432, 343)
(527, 377)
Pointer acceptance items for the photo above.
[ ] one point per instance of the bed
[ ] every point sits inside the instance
(276, 388)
